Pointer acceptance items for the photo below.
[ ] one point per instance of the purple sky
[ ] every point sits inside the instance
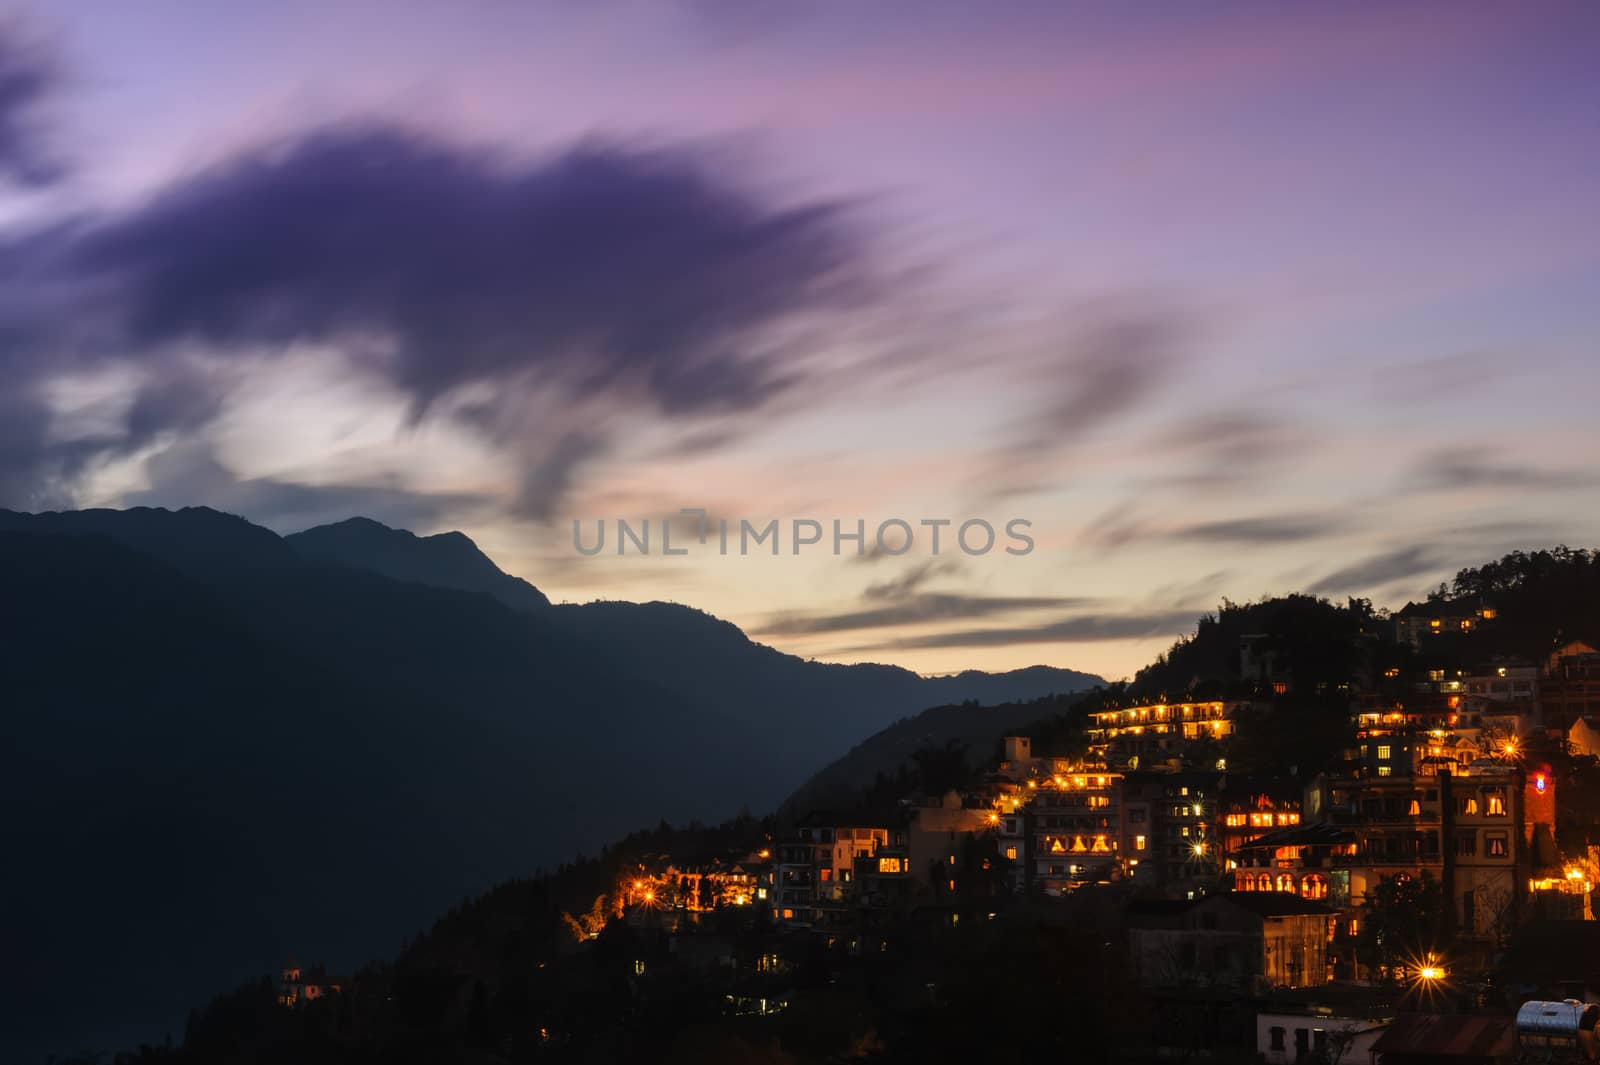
(1243, 300)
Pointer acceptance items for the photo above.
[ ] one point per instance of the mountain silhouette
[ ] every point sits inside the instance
(447, 560)
(224, 747)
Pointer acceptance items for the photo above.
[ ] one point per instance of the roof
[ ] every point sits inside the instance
(1456, 1035)
(1314, 834)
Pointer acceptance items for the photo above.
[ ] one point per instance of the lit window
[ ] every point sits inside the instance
(1385, 752)
(1470, 806)
(1497, 846)
(1384, 770)
(1011, 854)
(1497, 805)
(1416, 808)
(888, 865)
(1138, 843)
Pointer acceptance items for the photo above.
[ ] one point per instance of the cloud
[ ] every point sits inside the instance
(918, 575)
(29, 75)
(1111, 362)
(539, 302)
(186, 472)
(1379, 571)
(912, 610)
(1268, 529)
(1123, 525)
(1479, 468)
(1084, 628)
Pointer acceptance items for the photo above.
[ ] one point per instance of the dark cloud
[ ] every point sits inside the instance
(642, 280)
(912, 579)
(1467, 468)
(1269, 529)
(1112, 361)
(1083, 628)
(1380, 571)
(1227, 449)
(1124, 525)
(29, 74)
(912, 610)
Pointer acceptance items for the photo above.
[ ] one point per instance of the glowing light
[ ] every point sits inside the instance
(1540, 783)
(1431, 972)
(1199, 850)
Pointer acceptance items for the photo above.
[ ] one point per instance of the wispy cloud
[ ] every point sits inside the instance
(1082, 628)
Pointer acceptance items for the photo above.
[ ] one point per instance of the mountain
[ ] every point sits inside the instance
(446, 560)
(222, 748)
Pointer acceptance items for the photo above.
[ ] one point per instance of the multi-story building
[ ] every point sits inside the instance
(1171, 836)
(1464, 824)
(1243, 943)
(1570, 687)
(1074, 823)
(1148, 736)
(1418, 622)
(816, 865)
(1247, 810)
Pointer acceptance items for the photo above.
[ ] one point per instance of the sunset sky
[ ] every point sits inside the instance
(1226, 299)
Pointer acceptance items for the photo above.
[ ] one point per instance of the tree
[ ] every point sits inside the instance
(1402, 923)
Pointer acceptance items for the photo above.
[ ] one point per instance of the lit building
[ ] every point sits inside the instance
(1074, 821)
(1148, 736)
(816, 865)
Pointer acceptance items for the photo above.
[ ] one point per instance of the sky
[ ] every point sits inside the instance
(1220, 300)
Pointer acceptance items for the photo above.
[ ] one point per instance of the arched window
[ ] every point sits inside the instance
(1285, 882)
(1314, 886)
(1264, 882)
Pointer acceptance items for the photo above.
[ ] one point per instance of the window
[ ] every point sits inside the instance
(1277, 1037)
(1497, 846)
(1497, 804)
(1011, 854)
(952, 859)
(888, 865)
(1385, 752)
(826, 875)
(1415, 808)
(1384, 770)
(1469, 806)
(1138, 843)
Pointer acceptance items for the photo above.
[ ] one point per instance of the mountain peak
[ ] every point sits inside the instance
(443, 560)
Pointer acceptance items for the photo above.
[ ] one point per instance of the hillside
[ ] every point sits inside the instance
(294, 752)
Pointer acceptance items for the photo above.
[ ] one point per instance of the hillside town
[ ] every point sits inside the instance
(1354, 836)
(1260, 915)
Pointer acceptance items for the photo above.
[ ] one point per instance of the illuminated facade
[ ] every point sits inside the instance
(816, 866)
(1147, 736)
(1076, 828)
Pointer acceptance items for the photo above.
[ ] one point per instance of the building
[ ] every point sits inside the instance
(935, 834)
(1244, 943)
(1171, 837)
(1075, 827)
(1570, 687)
(1292, 1032)
(816, 866)
(301, 987)
(1417, 623)
(1149, 736)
